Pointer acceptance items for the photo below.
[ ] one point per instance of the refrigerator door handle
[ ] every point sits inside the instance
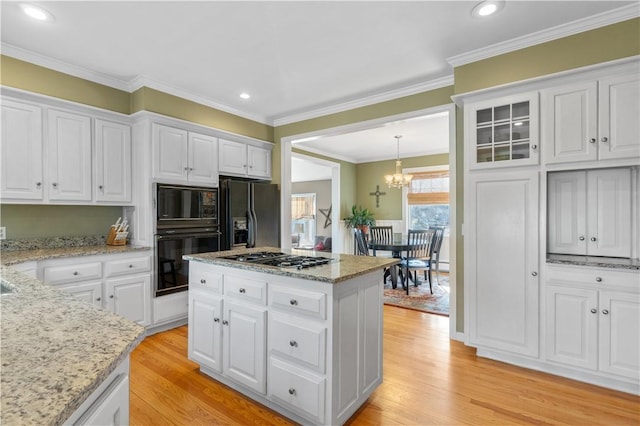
(254, 222)
(251, 237)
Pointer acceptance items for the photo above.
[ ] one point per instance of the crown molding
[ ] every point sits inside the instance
(367, 100)
(63, 67)
(585, 24)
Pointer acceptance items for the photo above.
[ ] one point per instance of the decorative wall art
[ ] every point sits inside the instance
(327, 216)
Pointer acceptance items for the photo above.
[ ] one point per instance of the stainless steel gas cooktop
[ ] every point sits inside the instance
(281, 260)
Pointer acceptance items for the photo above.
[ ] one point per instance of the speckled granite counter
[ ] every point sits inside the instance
(56, 350)
(594, 261)
(342, 268)
(9, 258)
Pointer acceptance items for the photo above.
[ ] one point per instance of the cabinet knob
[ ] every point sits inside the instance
(225, 322)
(293, 344)
(98, 299)
(592, 140)
(111, 296)
(534, 147)
(292, 391)
(242, 290)
(190, 169)
(251, 167)
(130, 266)
(38, 184)
(604, 139)
(216, 320)
(594, 310)
(186, 169)
(534, 273)
(293, 302)
(203, 281)
(593, 239)
(100, 187)
(75, 272)
(244, 166)
(55, 185)
(605, 312)
(581, 238)
(598, 279)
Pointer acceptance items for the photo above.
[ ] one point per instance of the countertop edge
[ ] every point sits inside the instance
(16, 257)
(614, 264)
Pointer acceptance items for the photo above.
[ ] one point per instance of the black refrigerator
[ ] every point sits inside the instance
(249, 214)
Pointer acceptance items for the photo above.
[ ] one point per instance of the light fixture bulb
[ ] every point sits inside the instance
(398, 179)
(245, 95)
(486, 8)
(36, 12)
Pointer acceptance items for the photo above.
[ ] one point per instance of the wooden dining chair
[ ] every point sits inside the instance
(418, 256)
(382, 234)
(361, 243)
(434, 259)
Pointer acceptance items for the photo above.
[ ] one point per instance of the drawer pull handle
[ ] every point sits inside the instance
(111, 296)
(598, 279)
(604, 311)
(293, 302)
(242, 290)
(38, 184)
(75, 272)
(55, 185)
(592, 140)
(293, 344)
(604, 139)
(593, 239)
(98, 299)
(225, 322)
(216, 320)
(534, 274)
(594, 310)
(203, 281)
(292, 391)
(581, 238)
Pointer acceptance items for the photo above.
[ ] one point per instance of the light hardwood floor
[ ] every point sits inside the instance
(428, 380)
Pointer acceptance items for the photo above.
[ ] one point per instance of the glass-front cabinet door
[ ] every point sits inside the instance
(503, 132)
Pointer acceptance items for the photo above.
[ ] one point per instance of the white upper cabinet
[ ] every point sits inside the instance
(503, 132)
(21, 151)
(180, 156)
(590, 212)
(593, 120)
(112, 162)
(240, 159)
(69, 156)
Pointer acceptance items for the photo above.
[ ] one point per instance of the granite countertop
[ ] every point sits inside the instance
(594, 261)
(56, 350)
(342, 268)
(13, 257)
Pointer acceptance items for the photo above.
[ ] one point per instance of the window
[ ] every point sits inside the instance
(428, 199)
(303, 220)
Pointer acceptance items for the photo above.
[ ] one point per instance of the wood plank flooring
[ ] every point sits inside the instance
(428, 380)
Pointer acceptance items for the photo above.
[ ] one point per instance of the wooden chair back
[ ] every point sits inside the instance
(381, 234)
(361, 243)
(420, 243)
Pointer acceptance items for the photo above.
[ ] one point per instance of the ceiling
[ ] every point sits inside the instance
(297, 59)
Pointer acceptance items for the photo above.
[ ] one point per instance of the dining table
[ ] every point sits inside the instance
(397, 247)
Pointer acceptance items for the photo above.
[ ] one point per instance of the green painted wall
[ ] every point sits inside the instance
(152, 100)
(368, 175)
(27, 221)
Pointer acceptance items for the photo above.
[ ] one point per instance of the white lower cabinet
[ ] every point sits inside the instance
(120, 283)
(309, 350)
(592, 319)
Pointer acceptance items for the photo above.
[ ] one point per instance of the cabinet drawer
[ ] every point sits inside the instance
(114, 268)
(300, 340)
(600, 277)
(298, 390)
(203, 276)
(310, 303)
(72, 273)
(245, 289)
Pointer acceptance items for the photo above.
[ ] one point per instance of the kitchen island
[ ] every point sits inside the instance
(304, 342)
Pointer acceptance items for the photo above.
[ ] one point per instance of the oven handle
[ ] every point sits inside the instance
(183, 236)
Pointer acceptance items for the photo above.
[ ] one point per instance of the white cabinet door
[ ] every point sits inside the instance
(112, 408)
(90, 292)
(113, 162)
(245, 341)
(205, 329)
(567, 213)
(69, 156)
(259, 160)
(572, 326)
(619, 337)
(21, 151)
(569, 124)
(501, 252)
(203, 159)
(130, 297)
(609, 212)
(232, 157)
(619, 112)
(170, 153)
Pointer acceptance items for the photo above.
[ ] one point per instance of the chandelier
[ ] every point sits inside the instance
(398, 179)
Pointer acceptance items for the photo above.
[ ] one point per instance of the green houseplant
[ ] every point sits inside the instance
(360, 218)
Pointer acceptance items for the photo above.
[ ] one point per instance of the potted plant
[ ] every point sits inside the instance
(360, 218)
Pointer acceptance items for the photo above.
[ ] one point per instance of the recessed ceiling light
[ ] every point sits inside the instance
(486, 8)
(245, 95)
(36, 12)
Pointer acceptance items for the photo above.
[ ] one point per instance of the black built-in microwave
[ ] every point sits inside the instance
(186, 206)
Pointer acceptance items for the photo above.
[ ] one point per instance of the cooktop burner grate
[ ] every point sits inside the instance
(281, 260)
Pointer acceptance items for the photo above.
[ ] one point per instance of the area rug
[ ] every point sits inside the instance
(420, 298)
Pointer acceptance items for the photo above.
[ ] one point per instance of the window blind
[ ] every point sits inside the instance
(302, 206)
(429, 188)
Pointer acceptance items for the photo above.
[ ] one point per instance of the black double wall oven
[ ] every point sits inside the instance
(186, 223)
